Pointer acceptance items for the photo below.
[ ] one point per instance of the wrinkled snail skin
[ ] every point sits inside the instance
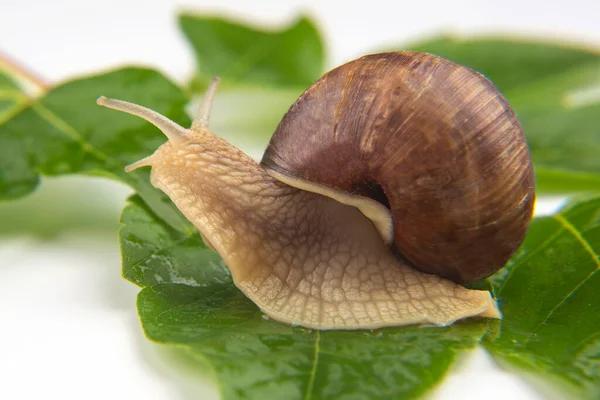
(316, 253)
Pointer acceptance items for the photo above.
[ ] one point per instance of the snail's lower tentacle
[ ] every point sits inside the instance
(144, 162)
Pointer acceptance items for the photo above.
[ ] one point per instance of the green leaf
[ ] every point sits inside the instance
(189, 300)
(255, 358)
(561, 117)
(65, 132)
(153, 252)
(239, 53)
(46, 214)
(552, 180)
(555, 91)
(550, 297)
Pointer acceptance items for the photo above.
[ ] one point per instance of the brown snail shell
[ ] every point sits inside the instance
(433, 141)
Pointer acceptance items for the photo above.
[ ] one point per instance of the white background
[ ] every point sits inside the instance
(68, 327)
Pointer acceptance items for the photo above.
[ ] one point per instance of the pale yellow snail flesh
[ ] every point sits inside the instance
(303, 257)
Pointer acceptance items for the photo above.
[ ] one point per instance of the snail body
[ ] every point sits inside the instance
(389, 182)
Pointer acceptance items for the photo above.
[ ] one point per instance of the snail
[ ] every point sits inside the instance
(392, 181)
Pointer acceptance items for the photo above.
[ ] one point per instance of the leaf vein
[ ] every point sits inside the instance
(12, 94)
(588, 248)
(313, 370)
(13, 111)
(586, 245)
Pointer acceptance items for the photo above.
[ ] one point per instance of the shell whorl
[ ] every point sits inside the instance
(433, 141)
